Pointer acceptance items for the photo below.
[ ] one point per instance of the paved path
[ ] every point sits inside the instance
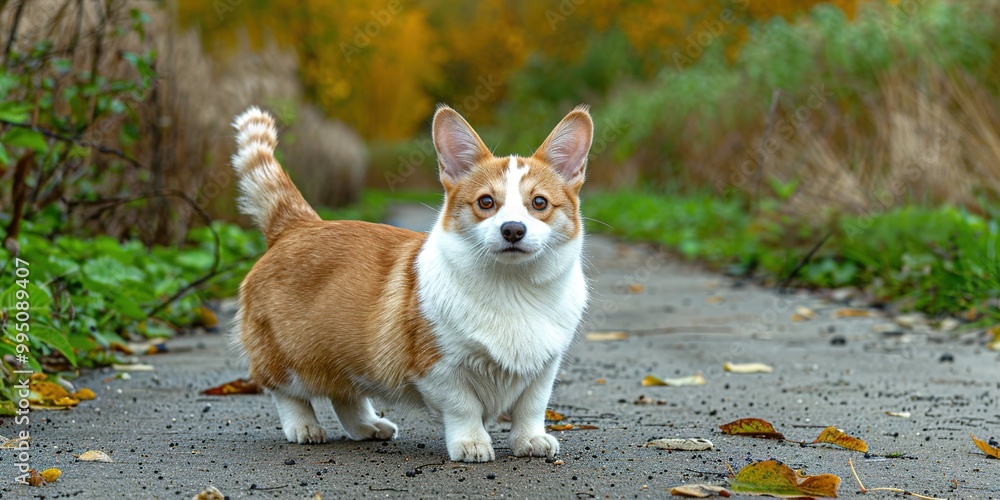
(168, 441)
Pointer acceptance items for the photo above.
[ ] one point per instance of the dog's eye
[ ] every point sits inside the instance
(486, 202)
(539, 203)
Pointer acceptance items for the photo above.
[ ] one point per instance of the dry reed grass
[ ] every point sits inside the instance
(185, 139)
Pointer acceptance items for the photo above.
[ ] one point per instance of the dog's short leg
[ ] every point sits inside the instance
(527, 433)
(466, 436)
(360, 421)
(298, 420)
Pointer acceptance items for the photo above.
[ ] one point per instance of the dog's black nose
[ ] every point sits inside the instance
(512, 231)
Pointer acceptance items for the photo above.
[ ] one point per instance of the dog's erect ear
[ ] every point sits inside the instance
(458, 147)
(567, 146)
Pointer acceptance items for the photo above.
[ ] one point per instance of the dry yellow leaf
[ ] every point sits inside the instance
(985, 447)
(14, 442)
(699, 491)
(552, 416)
(636, 288)
(837, 437)
(747, 367)
(684, 444)
(210, 493)
(136, 367)
(853, 313)
(94, 456)
(994, 344)
(84, 394)
(752, 427)
(715, 299)
(774, 478)
(900, 414)
(652, 380)
(50, 475)
(605, 336)
(601, 381)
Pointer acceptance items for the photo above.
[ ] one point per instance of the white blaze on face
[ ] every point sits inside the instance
(514, 208)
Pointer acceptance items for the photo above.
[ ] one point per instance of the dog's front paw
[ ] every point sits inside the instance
(471, 451)
(539, 445)
(305, 433)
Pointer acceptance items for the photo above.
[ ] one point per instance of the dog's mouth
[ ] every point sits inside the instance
(513, 250)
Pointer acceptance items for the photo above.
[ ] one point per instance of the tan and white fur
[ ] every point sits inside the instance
(470, 320)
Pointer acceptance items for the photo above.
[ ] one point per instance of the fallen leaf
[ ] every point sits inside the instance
(994, 345)
(205, 317)
(135, 367)
(715, 299)
(837, 437)
(774, 478)
(571, 427)
(643, 400)
(94, 456)
(50, 475)
(652, 380)
(601, 381)
(804, 313)
(796, 318)
(699, 491)
(752, 427)
(552, 416)
(685, 444)
(45, 395)
(900, 414)
(848, 312)
(987, 449)
(605, 336)
(209, 493)
(238, 386)
(636, 288)
(747, 367)
(34, 478)
(84, 394)
(13, 443)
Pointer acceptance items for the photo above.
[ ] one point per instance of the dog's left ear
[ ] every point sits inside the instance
(566, 148)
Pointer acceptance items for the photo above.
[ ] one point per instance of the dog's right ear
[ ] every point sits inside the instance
(458, 147)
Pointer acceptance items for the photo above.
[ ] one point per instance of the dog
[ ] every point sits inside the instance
(470, 320)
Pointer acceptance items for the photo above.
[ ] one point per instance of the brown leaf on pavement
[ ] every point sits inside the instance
(605, 336)
(849, 312)
(571, 427)
(985, 447)
(699, 491)
(653, 380)
(94, 456)
(774, 478)
(552, 416)
(837, 437)
(238, 386)
(752, 427)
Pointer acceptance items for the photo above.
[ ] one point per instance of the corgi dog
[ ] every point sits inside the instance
(470, 320)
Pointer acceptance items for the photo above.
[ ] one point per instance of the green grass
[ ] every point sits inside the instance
(942, 261)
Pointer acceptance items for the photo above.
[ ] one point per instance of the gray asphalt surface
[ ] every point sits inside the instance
(169, 441)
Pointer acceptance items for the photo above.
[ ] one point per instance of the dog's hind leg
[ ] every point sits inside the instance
(360, 421)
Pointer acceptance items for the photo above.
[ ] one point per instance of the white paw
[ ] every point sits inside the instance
(471, 451)
(381, 429)
(540, 445)
(305, 433)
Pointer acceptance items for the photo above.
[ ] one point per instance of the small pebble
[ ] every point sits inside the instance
(947, 358)
(838, 340)
(411, 473)
(289, 461)
(558, 462)
(491, 476)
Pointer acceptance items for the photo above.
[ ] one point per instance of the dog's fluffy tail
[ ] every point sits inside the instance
(266, 192)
